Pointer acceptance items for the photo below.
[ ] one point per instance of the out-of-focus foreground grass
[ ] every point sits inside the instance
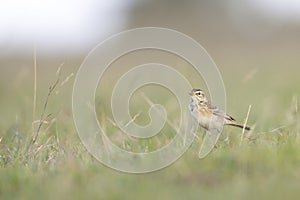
(265, 165)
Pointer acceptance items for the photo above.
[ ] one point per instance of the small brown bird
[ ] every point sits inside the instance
(208, 116)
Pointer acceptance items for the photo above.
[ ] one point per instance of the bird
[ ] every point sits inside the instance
(208, 116)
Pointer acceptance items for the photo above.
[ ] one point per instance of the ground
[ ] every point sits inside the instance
(265, 165)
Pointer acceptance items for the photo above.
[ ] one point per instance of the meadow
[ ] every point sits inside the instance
(55, 165)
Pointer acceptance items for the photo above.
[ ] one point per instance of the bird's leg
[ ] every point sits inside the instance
(226, 137)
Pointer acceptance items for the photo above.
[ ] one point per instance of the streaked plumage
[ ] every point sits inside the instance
(207, 115)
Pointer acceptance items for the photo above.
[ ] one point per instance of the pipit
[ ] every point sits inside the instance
(208, 116)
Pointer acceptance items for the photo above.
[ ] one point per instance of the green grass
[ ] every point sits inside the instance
(265, 166)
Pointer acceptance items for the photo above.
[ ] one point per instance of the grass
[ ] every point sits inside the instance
(55, 165)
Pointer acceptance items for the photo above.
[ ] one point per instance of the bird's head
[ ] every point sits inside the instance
(197, 95)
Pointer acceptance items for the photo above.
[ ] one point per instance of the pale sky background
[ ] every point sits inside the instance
(54, 24)
(69, 24)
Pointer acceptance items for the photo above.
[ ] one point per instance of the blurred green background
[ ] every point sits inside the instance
(255, 45)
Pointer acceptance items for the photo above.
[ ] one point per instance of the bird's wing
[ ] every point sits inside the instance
(220, 113)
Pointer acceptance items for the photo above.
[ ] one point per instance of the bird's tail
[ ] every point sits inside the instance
(247, 128)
